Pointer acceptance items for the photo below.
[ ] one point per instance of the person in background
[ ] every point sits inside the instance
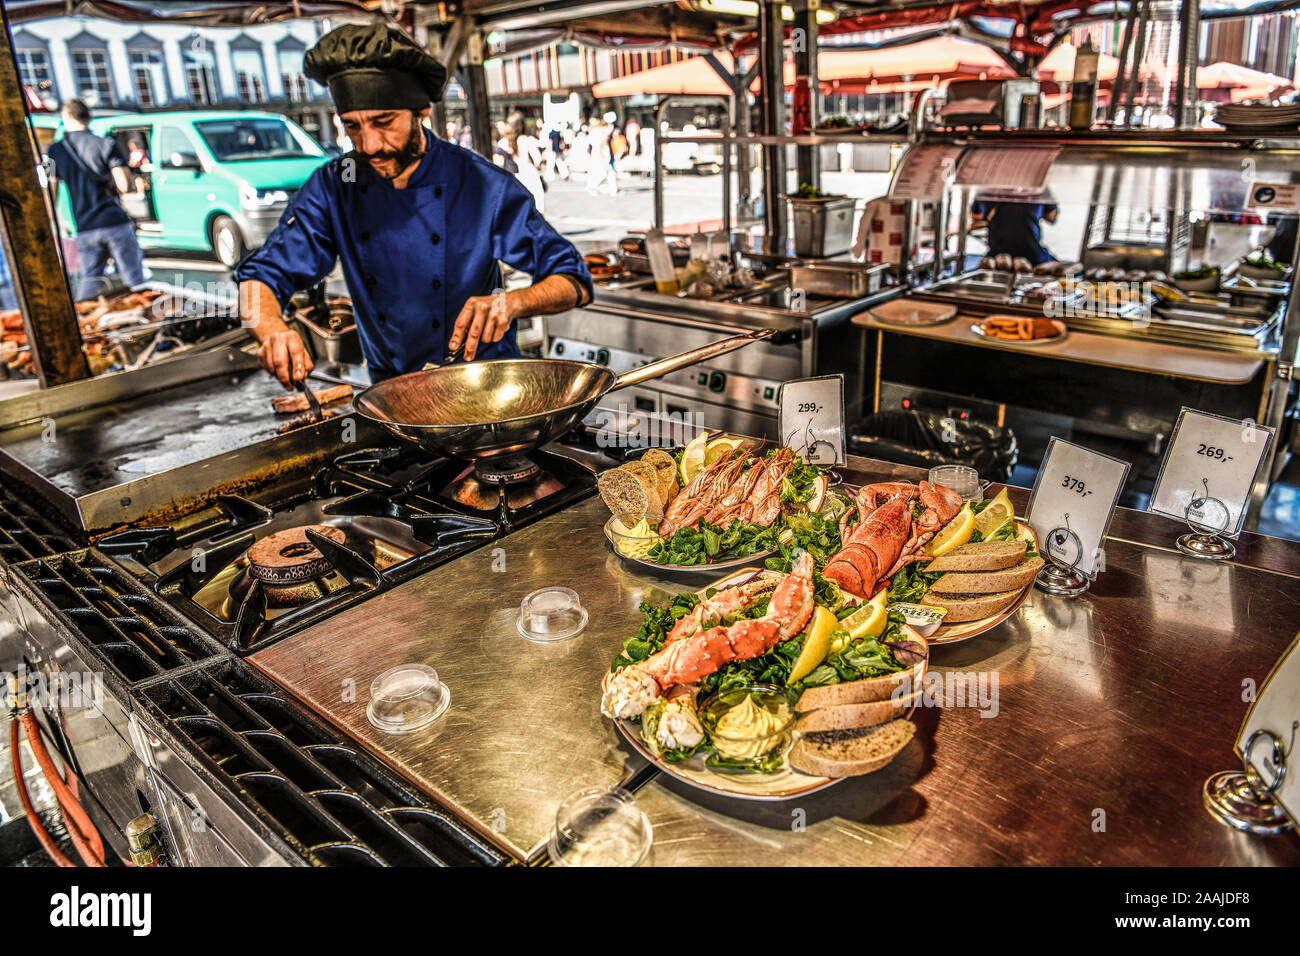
(466, 137)
(600, 168)
(517, 153)
(451, 131)
(137, 158)
(554, 143)
(1014, 226)
(633, 131)
(94, 168)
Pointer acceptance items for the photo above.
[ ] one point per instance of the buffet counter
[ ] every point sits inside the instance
(1091, 348)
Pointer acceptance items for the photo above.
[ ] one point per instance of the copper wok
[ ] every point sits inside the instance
(481, 410)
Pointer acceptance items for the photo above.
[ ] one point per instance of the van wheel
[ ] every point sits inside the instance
(227, 241)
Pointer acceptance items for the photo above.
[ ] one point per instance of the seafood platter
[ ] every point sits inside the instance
(804, 667)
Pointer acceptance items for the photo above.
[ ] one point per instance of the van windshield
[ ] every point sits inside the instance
(234, 140)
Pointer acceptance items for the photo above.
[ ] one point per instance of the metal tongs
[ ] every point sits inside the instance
(312, 402)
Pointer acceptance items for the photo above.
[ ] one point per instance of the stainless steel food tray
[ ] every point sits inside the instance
(837, 280)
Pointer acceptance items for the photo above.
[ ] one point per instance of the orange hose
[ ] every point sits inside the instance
(84, 835)
(38, 828)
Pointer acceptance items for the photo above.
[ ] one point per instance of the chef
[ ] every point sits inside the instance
(419, 224)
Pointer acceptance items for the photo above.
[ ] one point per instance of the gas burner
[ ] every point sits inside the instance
(507, 470)
(292, 570)
(363, 523)
(287, 557)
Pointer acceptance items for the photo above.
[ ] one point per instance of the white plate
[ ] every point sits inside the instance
(782, 784)
(1064, 331)
(903, 312)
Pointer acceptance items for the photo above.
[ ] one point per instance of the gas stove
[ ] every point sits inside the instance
(167, 614)
(253, 572)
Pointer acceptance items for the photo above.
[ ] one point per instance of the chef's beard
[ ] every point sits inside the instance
(406, 157)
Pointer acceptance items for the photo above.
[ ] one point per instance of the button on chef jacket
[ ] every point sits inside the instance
(413, 256)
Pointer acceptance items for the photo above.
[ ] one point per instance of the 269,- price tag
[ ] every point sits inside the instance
(1074, 496)
(1209, 470)
(812, 418)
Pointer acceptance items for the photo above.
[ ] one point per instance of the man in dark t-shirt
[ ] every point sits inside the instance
(95, 170)
(1014, 225)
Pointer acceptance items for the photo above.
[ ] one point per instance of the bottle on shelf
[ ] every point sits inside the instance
(1083, 88)
(661, 262)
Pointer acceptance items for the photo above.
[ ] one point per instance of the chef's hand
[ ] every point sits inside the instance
(284, 356)
(485, 318)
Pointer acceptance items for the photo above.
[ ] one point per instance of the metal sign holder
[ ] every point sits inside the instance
(1206, 541)
(1242, 800)
(1057, 575)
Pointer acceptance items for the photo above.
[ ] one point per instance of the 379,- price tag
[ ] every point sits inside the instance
(1074, 496)
(812, 418)
(1209, 470)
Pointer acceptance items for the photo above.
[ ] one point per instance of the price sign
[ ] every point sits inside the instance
(1276, 718)
(1209, 470)
(812, 418)
(1074, 496)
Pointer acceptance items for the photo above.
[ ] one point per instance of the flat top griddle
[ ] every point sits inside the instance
(156, 443)
(99, 448)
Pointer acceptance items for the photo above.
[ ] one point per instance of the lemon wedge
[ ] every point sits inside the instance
(954, 534)
(868, 620)
(693, 459)
(724, 445)
(997, 513)
(816, 644)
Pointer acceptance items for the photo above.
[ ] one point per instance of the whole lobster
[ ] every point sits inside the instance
(886, 537)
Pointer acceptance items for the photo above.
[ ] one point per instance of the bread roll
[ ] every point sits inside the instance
(667, 469)
(629, 494)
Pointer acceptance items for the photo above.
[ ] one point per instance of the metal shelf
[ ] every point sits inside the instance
(810, 139)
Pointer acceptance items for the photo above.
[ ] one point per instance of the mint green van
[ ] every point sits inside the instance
(213, 181)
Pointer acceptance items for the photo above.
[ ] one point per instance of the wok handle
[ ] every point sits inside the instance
(702, 354)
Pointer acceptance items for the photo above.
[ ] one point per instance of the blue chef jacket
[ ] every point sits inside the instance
(413, 256)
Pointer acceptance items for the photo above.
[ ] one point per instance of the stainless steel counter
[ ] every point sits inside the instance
(1122, 701)
(524, 728)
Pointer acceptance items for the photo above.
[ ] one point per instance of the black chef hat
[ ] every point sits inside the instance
(375, 67)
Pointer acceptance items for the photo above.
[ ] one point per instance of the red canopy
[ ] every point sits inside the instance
(891, 70)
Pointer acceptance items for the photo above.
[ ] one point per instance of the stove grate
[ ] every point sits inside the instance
(136, 635)
(327, 798)
(25, 533)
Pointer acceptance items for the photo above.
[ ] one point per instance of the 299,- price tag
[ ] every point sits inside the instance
(812, 418)
(1074, 496)
(1209, 470)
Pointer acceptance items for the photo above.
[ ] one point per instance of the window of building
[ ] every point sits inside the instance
(292, 77)
(147, 77)
(200, 75)
(90, 71)
(249, 77)
(34, 70)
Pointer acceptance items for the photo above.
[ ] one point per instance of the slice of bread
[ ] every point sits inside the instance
(854, 756)
(981, 556)
(854, 692)
(973, 607)
(988, 582)
(854, 716)
(628, 494)
(667, 468)
(648, 472)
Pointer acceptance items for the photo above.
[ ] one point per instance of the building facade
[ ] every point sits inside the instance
(152, 66)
